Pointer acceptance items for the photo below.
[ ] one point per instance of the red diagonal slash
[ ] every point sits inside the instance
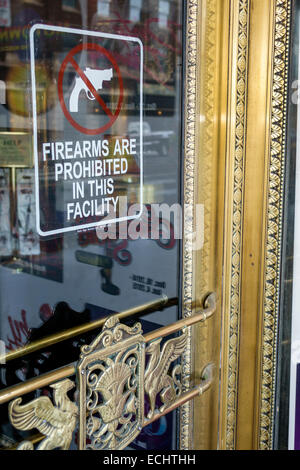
(90, 87)
(69, 60)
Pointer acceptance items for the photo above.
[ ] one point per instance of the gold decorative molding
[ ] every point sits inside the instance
(157, 378)
(274, 222)
(237, 217)
(211, 73)
(115, 387)
(235, 200)
(201, 88)
(210, 98)
(192, 12)
(111, 387)
(205, 145)
(57, 423)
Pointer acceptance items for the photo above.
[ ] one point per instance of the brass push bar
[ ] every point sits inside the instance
(204, 314)
(163, 302)
(67, 371)
(205, 384)
(37, 382)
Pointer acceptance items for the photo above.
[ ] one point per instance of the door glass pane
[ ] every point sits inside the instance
(58, 267)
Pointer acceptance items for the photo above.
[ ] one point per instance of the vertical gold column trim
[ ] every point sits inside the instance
(231, 304)
(274, 224)
(210, 68)
(186, 411)
(237, 217)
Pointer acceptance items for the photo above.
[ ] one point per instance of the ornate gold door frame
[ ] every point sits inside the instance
(255, 160)
(235, 99)
(237, 72)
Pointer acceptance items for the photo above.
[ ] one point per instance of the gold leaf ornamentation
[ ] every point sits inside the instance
(274, 222)
(57, 423)
(237, 211)
(111, 385)
(192, 14)
(157, 377)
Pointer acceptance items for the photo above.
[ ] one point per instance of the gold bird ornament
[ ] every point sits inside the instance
(156, 375)
(57, 423)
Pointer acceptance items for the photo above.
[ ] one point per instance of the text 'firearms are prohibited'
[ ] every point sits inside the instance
(85, 156)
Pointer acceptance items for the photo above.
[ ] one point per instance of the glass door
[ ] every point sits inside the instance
(112, 175)
(91, 132)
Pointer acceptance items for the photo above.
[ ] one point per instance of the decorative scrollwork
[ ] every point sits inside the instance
(190, 118)
(157, 379)
(237, 227)
(57, 423)
(274, 221)
(112, 333)
(111, 387)
(113, 382)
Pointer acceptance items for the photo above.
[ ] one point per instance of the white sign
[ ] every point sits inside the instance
(81, 171)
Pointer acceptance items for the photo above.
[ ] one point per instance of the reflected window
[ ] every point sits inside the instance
(135, 10)
(163, 12)
(103, 7)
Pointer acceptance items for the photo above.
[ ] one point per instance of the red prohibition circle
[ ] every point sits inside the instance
(69, 59)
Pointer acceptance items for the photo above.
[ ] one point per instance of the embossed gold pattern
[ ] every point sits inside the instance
(208, 193)
(157, 378)
(274, 221)
(111, 387)
(237, 216)
(113, 382)
(186, 411)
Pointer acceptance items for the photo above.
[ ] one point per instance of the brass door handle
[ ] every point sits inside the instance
(117, 356)
(202, 315)
(204, 385)
(163, 302)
